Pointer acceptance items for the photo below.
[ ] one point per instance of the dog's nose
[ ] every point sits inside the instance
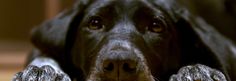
(120, 66)
(119, 70)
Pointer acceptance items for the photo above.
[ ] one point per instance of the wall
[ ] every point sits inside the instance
(17, 18)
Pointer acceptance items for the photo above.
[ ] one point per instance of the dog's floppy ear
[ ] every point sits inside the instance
(202, 43)
(50, 37)
(210, 40)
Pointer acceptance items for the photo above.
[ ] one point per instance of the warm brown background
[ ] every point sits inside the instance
(17, 17)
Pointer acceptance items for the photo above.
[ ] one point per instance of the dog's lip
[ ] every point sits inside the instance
(138, 77)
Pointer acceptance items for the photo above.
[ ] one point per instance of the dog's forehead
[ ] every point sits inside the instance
(124, 6)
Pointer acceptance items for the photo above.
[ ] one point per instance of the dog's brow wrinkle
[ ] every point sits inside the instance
(94, 8)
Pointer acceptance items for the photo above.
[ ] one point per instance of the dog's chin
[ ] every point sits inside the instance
(142, 76)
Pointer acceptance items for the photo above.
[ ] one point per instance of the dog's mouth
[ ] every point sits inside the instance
(120, 61)
(114, 73)
(120, 70)
(137, 77)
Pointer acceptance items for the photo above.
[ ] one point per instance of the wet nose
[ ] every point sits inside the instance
(119, 70)
(119, 66)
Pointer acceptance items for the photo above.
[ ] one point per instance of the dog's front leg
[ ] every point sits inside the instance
(42, 69)
(198, 72)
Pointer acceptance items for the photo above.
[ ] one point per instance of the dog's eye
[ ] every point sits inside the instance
(95, 23)
(156, 26)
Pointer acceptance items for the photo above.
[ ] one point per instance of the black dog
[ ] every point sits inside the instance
(128, 40)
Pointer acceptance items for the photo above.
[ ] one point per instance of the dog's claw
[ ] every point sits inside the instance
(17, 76)
(198, 73)
(62, 77)
(44, 73)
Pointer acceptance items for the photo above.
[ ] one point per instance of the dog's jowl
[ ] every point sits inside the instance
(128, 40)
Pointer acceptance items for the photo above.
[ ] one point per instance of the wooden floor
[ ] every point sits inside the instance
(12, 58)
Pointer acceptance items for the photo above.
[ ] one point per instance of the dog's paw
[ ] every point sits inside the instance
(44, 73)
(198, 73)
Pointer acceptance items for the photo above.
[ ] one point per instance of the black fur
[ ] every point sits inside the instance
(185, 40)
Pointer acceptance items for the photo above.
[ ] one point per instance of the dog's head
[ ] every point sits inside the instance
(124, 40)
(119, 40)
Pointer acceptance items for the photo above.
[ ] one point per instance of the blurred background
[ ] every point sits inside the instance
(17, 18)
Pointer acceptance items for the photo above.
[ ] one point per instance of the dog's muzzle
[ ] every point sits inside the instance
(120, 61)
